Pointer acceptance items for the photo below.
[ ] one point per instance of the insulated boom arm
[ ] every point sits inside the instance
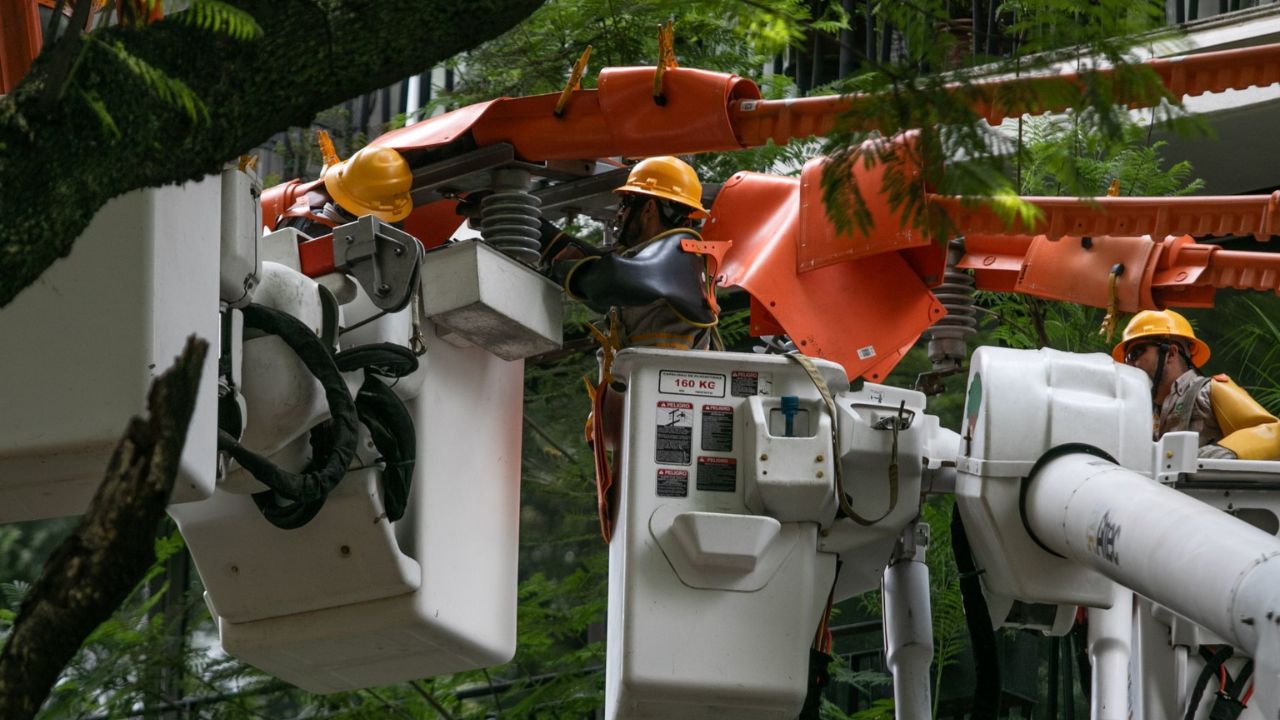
(1192, 558)
(708, 111)
(757, 121)
(1159, 217)
(1074, 249)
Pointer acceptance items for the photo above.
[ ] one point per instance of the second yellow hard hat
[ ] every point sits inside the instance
(1162, 323)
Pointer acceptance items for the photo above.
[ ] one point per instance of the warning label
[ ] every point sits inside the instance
(717, 474)
(673, 483)
(745, 383)
(717, 428)
(673, 441)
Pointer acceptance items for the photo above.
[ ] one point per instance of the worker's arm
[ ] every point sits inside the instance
(661, 270)
(559, 246)
(1248, 429)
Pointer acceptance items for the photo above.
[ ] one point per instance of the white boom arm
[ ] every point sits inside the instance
(1195, 559)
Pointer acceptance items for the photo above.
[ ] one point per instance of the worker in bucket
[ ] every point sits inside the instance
(655, 285)
(656, 281)
(1231, 424)
(374, 181)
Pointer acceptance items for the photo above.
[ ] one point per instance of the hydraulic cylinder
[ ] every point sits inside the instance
(1110, 644)
(908, 628)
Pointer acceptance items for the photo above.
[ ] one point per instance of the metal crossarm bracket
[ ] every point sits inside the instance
(383, 259)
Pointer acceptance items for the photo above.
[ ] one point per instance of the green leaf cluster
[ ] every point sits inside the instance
(934, 88)
(216, 16)
(711, 34)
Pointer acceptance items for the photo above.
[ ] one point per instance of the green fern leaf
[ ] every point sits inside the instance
(169, 90)
(14, 592)
(219, 17)
(99, 108)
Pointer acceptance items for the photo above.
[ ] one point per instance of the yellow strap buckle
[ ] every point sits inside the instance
(666, 59)
(574, 82)
(327, 150)
(1112, 318)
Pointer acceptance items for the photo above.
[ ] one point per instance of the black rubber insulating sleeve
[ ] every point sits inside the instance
(312, 484)
(982, 635)
(391, 427)
(661, 270)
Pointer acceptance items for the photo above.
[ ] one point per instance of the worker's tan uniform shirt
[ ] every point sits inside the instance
(1180, 411)
(656, 325)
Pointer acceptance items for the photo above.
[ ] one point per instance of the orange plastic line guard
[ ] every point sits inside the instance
(1176, 272)
(1256, 215)
(781, 120)
(1243, 271)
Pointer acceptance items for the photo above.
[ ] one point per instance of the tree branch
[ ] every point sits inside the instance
(94, 569)
(431, 699)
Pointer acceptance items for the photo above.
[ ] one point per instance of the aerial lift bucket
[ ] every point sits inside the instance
(83, 343)
(354, 597)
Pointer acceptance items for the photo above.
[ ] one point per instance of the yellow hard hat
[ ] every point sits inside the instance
(1162, 323)
(667, 178)
(375, 181)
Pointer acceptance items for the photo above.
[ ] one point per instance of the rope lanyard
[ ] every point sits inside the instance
(896, 424)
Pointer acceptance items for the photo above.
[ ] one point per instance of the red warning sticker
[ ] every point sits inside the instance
(673, 440)
(717, 474)
(673, 483)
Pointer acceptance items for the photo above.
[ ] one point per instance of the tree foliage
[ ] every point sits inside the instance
(934, 86)
(712, 34)
(1060, 157)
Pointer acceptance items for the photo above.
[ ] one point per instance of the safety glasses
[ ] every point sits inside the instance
(1134, 352)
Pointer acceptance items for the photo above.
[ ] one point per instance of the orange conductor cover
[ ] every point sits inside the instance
(863, 314)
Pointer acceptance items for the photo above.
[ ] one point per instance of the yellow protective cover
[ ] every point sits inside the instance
(1248, 429)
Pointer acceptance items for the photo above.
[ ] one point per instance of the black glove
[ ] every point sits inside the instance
(659, 271)
(559, 270)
